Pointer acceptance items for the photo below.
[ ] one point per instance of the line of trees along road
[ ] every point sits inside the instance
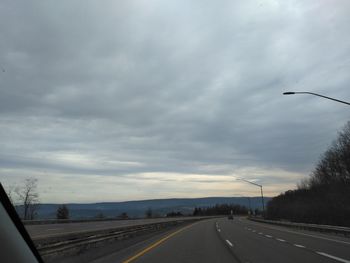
(220, 209)
(324, 197)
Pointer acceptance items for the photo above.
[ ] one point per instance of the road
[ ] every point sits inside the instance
(52, 230)
(238, 240)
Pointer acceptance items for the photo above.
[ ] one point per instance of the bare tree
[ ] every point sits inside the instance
(10, 191)
(303, 184)
(149, 213)
(28, 197)
(62, 212)
(123, 215)
(100, 215)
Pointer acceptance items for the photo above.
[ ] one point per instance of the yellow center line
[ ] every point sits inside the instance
(156, 244)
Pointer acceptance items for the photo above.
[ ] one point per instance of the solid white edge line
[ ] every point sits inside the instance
(297, 245)
(228, 242)
(333, 257)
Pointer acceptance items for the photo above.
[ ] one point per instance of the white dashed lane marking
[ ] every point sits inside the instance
(308, 235)
(301, 246)
(297, 245)
(229, 243)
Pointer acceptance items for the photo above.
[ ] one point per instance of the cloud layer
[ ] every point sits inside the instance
(184, 91)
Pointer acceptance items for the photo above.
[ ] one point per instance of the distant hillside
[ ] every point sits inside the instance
(137, 208)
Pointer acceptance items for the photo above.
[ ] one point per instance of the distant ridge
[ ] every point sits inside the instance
(137, 208)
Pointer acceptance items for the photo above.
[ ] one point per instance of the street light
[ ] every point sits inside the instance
(261, 190)
(315, 94)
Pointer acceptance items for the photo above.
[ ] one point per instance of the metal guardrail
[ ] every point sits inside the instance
(86, 220)
(315, 227)
(73, 243)
(62, 221)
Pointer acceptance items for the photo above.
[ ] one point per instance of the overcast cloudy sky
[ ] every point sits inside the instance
(125, 100)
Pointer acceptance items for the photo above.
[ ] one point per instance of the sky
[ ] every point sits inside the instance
(129, 100)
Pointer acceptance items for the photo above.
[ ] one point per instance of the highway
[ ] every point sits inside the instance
(238, 240)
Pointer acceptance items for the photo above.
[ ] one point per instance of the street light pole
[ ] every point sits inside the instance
(262, 199)
(250, 207)
(315, 94)
(261, 191)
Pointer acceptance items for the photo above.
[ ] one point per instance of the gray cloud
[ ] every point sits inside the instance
(178, 87)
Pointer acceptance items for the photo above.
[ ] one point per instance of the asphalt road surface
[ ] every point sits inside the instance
(238, 240)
